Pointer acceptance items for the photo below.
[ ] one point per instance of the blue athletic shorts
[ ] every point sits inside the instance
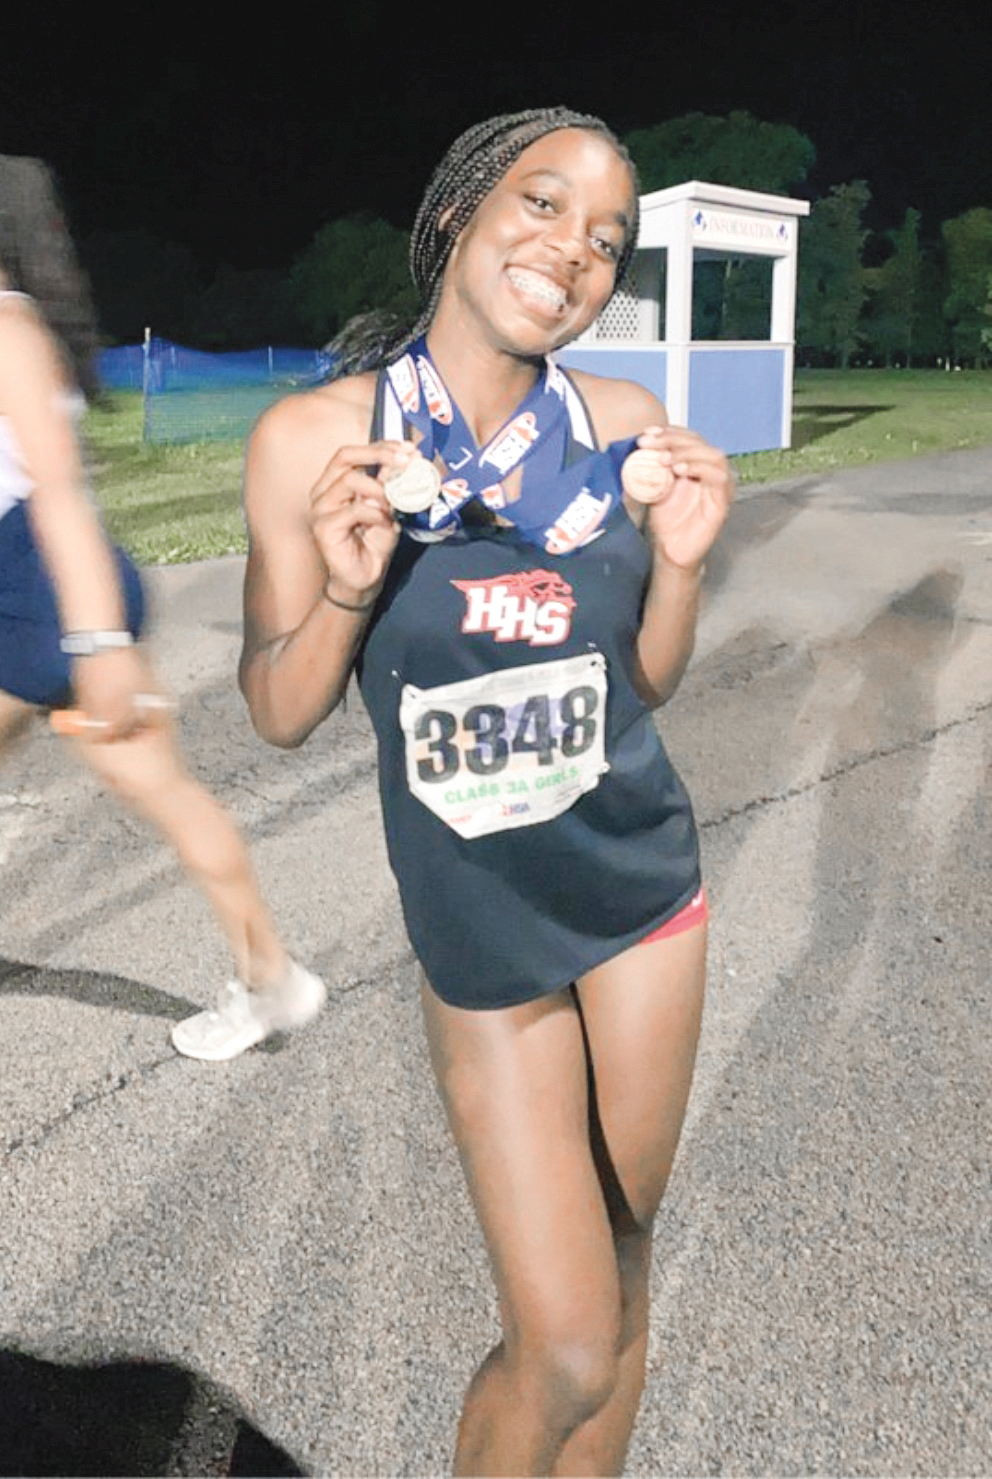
(32, 665)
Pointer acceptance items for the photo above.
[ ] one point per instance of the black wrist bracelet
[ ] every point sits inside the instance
(345, 605)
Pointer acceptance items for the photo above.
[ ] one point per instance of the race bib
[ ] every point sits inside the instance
(509, 749)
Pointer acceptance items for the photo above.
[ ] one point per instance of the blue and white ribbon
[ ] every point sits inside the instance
(559, 507)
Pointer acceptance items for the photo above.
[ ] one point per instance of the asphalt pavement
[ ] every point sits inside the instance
(271, 1266)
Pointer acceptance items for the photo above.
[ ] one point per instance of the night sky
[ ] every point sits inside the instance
(239, 140)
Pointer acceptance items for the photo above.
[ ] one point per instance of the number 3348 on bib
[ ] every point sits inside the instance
(508, 749)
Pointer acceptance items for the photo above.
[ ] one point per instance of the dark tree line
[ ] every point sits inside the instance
(351, 266)
(889, 297)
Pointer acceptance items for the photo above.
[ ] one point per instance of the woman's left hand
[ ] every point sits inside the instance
(683, 525)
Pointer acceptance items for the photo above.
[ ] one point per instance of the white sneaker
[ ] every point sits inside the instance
(243, 1018)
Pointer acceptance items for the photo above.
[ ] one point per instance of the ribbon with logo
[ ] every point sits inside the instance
(560, 507)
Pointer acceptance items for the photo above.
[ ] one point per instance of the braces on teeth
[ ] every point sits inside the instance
(540, 287)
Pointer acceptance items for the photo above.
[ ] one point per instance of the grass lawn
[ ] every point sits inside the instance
(845, 418)
(165, 505)
(170, 504)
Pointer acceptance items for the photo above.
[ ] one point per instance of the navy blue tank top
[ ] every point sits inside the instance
(521, 908)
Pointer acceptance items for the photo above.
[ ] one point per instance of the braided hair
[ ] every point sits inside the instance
(475, 163)
(38, 258)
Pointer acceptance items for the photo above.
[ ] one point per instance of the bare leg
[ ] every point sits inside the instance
(15, 716)
(642, 1014)
(566, 1184)
(514, 1083)
(148, 775)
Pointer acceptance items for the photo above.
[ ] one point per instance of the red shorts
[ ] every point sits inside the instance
(695, 912)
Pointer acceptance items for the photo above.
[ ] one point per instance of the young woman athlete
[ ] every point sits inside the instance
(511, 638)
(71, 609)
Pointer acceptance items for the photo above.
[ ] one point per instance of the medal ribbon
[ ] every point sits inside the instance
(559, 508)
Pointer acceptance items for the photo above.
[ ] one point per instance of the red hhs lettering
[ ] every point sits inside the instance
(534, 606)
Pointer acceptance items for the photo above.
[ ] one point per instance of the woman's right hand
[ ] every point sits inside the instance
(353, 524)
(117, 695)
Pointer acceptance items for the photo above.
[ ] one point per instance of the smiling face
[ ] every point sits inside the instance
(537, 261)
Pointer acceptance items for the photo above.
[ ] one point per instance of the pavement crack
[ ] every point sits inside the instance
(81, 1101)
(84, 1100)
(399, 963)
(247, 790)
(843, 768)
(310, 795)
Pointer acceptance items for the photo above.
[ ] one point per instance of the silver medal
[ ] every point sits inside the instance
(413, 488)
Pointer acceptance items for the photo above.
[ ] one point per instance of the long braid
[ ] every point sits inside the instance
(475, 163)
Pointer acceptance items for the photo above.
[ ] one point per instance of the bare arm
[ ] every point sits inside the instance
(668, 630)
(681, 528)
(64, 519)
(321, 536)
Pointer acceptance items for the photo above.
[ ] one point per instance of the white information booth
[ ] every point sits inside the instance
(735, 393)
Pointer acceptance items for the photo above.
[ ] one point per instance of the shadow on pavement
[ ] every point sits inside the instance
(124, 1418)
(92, 988)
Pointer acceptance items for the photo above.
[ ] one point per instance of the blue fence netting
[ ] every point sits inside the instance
(193, 396)
(122, 368)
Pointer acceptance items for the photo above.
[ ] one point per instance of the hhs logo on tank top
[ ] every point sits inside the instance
(533, 606)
